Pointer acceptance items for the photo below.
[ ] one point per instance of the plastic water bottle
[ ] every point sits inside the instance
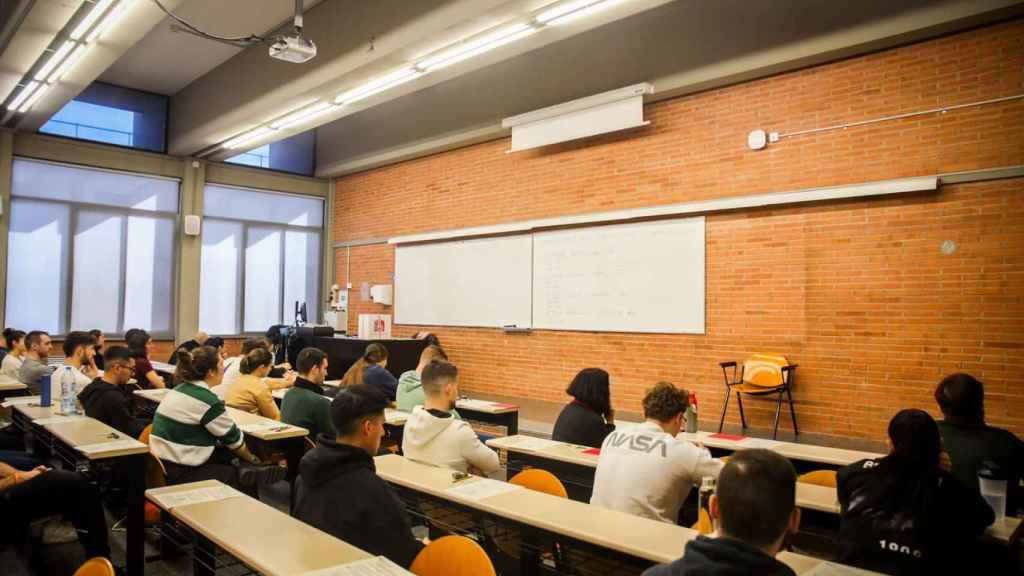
(691, 414)
(993, 483)
(68, 396)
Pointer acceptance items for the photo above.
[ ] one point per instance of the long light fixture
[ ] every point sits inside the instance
(381, 84)
(111, 18)
(476, 47)
(569, 11)
(97, 10)
(68, 62)
(44, 72)
(23, 95)
(250, 136)
(303, 115)
(34, 98)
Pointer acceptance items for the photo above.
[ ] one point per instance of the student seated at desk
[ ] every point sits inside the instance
(434, 436)
(753, 510)
(904, 514)
(12, 361)
(232, 369)
(34, 366)
(372, 369)
(643, 469)
(971, 443)
(78, 352)
(106, 399)
(98, 343)
(305, 404)
(194, 435)
(141, 345)
(589, 418)
(410, 383)
(339, 491)
(250, 392)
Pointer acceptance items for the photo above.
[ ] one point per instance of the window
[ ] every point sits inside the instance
(261, 255)
(90, 248)
(293, 155)
(113, 115)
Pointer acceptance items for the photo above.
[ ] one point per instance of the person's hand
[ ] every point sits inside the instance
(290, 377)
(475, 471)
(91, 371)
(26, 476)
(944, 462)
(284, 365)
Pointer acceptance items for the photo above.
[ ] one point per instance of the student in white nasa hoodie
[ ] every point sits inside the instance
(434, 436)
(643, 469)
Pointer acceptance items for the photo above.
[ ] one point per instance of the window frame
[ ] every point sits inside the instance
(74, 208)
(247, 223)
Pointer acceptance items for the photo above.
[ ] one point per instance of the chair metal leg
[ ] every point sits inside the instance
(792, 412)
(778, 408)
(743, 418)
(725, 407)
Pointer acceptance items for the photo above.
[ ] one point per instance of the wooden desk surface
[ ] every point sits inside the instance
(84, 431)
(791, 450)
(485, 406)
(8, 384)
(280, 430)
(266, 539)
(35, 411)
(395, 417)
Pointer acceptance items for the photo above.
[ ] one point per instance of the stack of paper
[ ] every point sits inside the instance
(171, 500)
(379, 566)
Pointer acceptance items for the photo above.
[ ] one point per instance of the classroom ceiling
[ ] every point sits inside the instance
(681, 46)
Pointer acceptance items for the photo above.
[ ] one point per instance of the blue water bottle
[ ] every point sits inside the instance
(44, 391)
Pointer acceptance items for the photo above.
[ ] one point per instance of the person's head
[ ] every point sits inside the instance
(203, 363)
(78, 346)
(666, 405)
(590, 386)
(201, 337)
(15, 340)
(914, 439)
(98, 340)
(217, 343)
(376, 353)
(755, 499)
(441, 382)
(139, 342)
(429, 354)
(311, 364)
(37, 343)
(254, 343)
(961, 398)
(257, 362)
(358, 415)
(118, 365)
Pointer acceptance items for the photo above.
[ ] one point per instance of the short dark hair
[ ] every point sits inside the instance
(915, 439)
(12, 335)
(355, 404)
(961, 396)
(591, 387)
(664, 402)
(34, 337)
(308, 359)
(117, 354)
(433, 352)
(196, 364)
(75, 340)
(130, 332)
(136, 340)
(436, 374)
(214, 342)
(254, 343)
(375, 353)
(756, 494)
(96, 333)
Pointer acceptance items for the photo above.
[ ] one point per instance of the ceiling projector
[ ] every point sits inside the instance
(295, 49)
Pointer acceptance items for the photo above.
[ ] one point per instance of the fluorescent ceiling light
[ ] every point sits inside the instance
(379, 85)
(34, 98)
(112, 17)
(25, 93)
(68, 63)
(97, 10)
(570, 11)
(54, 60)
(476, 47)
(304, 114)
(242, 140)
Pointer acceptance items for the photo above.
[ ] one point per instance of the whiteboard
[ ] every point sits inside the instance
(481, 282)
(646, 277)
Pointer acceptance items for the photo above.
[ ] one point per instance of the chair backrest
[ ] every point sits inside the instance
(764, 370)
(703, 524)
(541, 481)
(156, 476)
(820, 478)
(452, 556)
(96, 567)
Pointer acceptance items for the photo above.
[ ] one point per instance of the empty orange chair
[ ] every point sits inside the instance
(819, 478)
(156, 477)
(95, 567)
(541, 481)
(452, 556)
(760, 375)
(703, 525)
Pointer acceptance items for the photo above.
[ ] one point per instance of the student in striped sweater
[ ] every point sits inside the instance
(194, 435)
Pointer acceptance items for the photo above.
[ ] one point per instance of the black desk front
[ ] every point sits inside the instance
(342, 353)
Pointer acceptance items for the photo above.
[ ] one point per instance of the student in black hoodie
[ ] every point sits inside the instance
(753, 509)
(339, 491)
(589, 417)
(104, 398)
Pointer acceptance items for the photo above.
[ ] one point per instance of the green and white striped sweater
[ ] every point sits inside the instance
(190, 423)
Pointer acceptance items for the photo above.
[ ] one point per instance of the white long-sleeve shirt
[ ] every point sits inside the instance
(644, 471)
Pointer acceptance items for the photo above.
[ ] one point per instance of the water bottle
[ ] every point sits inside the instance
(707, 488)
(992, 483)
(68, 396)
(45, 391)
(691, 414)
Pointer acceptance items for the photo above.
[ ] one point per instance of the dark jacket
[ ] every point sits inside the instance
(581, 424)
(898, 520)
(378, 377)
(705, 556)
(340, 493)
(970, 445)
(305, 405)
(107, 403)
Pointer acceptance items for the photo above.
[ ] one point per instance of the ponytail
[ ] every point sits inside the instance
(375, 353)
(256, 358)
(195, 365)
(11, 336)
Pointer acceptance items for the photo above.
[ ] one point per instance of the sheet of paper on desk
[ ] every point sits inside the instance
(263, 427)
(198, 496)
(122, 444)
(830, 569)
(475, 404)
(379, 566)
(20, 400)
(531, 443)
(480, 488)
(57, 420)
(759, 443)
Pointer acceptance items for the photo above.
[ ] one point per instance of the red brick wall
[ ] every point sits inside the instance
(856, 292)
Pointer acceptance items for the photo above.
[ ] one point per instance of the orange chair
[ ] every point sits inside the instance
(760, 375)
(819, 478)
(541, 481)
(703, 525)
(96, 567)
(452, 556)
(156, 477)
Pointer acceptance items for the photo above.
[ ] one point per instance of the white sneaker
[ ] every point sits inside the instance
(59, 532)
